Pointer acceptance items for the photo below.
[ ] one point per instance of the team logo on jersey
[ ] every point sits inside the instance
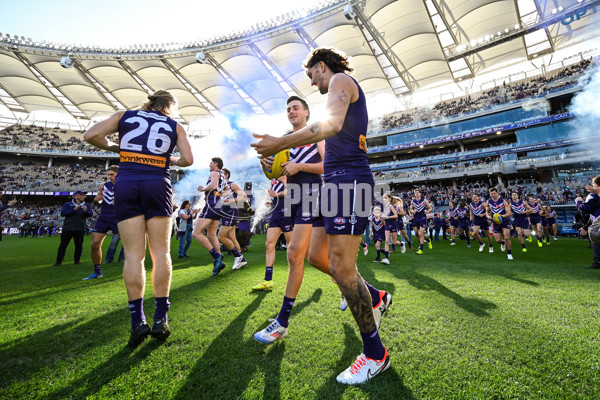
(339, 220)
(353, 218)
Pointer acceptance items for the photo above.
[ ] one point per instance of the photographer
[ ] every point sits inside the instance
(591, 206)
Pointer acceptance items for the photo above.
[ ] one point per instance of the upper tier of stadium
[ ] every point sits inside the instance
(398, 48)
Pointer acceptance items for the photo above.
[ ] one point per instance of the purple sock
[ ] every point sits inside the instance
(375, 297)
(286, 310)
(269, 274)
(378, 253)
(508, 251)
(215, 254)
(504, 242)
(421, 247)
(394, 247)
(136, 309)
(235, 252)
(98, 269)
(386, 254)
(162, 306)
(372, 346)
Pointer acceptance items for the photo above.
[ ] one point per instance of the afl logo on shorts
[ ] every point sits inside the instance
(339, 221)
(306, 214)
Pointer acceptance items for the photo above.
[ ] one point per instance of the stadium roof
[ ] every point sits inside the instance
(397, 47)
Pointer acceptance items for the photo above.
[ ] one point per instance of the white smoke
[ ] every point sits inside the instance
(586, 105)
(540, 105)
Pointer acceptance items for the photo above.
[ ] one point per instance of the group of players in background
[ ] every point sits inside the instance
(530, 220)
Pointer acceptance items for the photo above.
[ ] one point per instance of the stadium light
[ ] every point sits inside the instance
(66, 61)
(201, 57)
(349, 11)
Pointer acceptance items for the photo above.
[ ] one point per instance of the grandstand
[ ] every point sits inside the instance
(463, 96)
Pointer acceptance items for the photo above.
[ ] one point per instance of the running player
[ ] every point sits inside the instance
(349, 194)
(279, 222)
(479, 213)
(106, 220)
(400, 228)
(390, 217)
(229, 211)
(464, 223)
(377, 231)
(453, 222)
(497, 205)
(535, 219)
(520, 211)
(551, 227)
(144, 200)
(211, 214)
(419, 208)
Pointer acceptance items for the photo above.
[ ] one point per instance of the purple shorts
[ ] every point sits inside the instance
(105, 224)
(454, 222)
(346, 203)
(150, 198)
(230, 216)
(419, 223)
(522, 223)
(391, 225)
(305, 209)
(400, 226)
(213, 209)
(551, 221)
(497, 228)
(535, 219)
(464, 224)
(279, 220)
(379, 236)
(481, 222)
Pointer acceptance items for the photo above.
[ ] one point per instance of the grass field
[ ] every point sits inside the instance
(463, 325)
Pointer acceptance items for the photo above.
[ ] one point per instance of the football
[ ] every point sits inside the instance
(273, 171)
(497, 219)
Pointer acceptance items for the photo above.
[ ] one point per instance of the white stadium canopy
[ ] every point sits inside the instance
(396, 47)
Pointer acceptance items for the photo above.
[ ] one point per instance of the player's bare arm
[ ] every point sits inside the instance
(98, 134)
(342, 91)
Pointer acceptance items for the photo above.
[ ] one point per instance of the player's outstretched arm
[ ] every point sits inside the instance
(186, 157)
(342, 91)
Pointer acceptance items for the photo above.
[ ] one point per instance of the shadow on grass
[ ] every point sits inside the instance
(53, 290)
(419, 281)
(23, 358)
(387, 385)
(232, 360)
(92, 382)
(369, 275)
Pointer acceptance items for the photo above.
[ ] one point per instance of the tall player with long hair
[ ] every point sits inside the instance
(348, 194)
(144, 200)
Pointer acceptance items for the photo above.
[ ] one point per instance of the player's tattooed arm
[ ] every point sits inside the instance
(343, 97)
(315, 128)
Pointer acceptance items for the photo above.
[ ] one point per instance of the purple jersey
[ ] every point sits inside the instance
(497, 206)
(214, 195)
(146, 142)
(478, 209)
(452, 212)
(308, 154)
(277, 186)
(107, 209)
(378, 229)
(462, 213)
(552, 215)
(519, 210)
(347, 150)
(419, 207)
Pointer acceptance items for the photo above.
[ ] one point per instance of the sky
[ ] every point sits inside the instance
(111, 23)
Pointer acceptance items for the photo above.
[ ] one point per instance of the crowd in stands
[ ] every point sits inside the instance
(36, 220)
(32, 176)
(556, 192)
(446, 167)
(502, 94)
(45, 139)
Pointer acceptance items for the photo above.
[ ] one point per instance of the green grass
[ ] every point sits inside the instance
(463, 325)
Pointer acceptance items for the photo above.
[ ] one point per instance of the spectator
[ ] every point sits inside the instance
(75, 212)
